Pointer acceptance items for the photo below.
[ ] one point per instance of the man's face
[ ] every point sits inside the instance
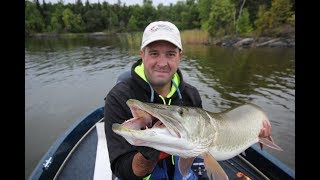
(161, 60)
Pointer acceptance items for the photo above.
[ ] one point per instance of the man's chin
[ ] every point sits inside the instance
(160, 81)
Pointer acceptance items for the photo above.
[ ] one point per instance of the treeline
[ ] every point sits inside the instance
(219, 17)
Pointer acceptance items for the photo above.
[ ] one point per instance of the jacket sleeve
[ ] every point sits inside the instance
(198, 101)
(194, 95)
(120, 151)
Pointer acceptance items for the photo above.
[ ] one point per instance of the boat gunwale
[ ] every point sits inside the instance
(74, 148)
(58, 151)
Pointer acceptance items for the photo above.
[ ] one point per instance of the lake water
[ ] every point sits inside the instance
(65, 78)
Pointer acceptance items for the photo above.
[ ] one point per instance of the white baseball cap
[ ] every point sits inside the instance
(161, 30)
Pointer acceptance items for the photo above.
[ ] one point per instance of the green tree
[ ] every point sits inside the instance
(33, 20)
(87, 6)
(93, 20)
(45, 13)
(281, 14)
(113, 19)
(221, 18)
(275, 22)
(280, 11)
(55, 25)
(252, 6)
(67, 16)
(132, 24)
(148, 12)
(244, 25)
(184, 20)
(189, 16)
(261, 23)
(218, 17)
(78, 7)
(204, 8)
(72, 22)
(56, 22)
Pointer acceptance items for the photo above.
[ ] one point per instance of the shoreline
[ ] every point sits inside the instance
(226, 41)
(252, 42)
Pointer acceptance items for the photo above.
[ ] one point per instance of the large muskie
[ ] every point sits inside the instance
(191, 132)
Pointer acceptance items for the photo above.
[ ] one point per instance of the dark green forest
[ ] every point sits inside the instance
(274, 18)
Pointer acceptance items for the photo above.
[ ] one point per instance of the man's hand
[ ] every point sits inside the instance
(148, 153)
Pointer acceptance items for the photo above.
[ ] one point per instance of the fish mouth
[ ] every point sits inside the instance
(147, 118)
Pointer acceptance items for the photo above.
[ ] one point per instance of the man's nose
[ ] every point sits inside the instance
(162, 60)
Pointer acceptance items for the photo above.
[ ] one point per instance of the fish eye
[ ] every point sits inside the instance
(180, 111)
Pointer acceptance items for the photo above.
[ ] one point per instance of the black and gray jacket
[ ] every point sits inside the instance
(116, 111)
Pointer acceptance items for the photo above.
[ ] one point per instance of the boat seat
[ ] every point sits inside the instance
(102, 169)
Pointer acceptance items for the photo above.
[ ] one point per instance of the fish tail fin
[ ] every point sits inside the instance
(268, 141)
(214, 170)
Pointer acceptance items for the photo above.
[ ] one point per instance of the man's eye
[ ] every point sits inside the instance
(171, 54)
(153, 54)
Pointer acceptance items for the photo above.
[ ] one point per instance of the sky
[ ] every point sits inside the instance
(127, 2)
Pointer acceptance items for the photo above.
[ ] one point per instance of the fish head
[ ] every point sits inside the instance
(167, 128)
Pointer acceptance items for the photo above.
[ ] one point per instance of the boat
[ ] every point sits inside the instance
(81, 153)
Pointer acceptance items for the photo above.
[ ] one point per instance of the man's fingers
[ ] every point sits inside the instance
(266, 130)
(262, 132)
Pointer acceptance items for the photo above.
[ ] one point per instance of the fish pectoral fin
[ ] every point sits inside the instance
(185, 164)
(269, 142)
(214, 170)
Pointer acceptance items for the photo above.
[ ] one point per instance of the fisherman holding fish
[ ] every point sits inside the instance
(155, 78)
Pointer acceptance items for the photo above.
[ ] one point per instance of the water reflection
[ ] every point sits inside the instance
(238, 73)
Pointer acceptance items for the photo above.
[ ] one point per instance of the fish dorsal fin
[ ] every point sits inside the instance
(185, 164)
(214, 170)
(269, 142)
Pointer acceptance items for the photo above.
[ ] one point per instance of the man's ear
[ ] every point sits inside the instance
(180, 53)
(142, 53)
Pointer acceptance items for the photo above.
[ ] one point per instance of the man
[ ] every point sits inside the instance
(154, 78)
